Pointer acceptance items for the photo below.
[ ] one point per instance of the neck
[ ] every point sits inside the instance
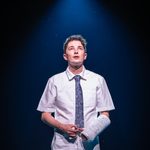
(76, 69)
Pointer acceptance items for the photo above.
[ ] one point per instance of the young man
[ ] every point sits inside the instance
(77, 125)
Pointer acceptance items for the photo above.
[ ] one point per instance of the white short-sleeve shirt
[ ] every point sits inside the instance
(59, 97)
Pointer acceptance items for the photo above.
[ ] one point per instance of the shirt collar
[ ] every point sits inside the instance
(70, 75)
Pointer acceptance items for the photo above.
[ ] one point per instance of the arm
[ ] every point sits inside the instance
(104, 113)
(96, 126)
(104, 102)
(48, 119)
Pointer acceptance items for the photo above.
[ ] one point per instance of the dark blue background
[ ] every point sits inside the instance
(33, 33)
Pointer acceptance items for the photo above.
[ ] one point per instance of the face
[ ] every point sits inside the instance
(75, 53)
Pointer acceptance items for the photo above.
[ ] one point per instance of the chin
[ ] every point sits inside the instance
(76, 64)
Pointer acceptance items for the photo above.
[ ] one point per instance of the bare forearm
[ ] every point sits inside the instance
(70, 129)
(48, 119)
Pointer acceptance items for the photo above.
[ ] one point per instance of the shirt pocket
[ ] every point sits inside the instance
(89, 96)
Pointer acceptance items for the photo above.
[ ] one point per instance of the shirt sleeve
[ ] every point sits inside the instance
(104, 99)
(47, 101)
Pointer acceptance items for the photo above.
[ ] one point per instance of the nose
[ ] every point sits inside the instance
(76, 51)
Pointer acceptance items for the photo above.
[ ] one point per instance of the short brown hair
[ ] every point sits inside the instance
(77, 37)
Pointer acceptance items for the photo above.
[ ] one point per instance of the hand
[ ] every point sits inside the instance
(70, 129)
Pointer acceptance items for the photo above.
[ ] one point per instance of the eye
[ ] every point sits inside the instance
(81, 48)
(71, 48)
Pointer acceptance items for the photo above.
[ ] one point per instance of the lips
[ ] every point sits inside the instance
(75, 57)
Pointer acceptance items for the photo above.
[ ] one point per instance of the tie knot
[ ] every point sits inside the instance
(77, 77)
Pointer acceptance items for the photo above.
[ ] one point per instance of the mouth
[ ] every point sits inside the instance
(75, 57)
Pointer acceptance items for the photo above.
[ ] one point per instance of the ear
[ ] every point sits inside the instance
(85, 56)
(65, 56)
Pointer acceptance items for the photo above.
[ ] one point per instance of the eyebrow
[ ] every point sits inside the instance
(78, 46)
(81, 46)
(70, 46)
